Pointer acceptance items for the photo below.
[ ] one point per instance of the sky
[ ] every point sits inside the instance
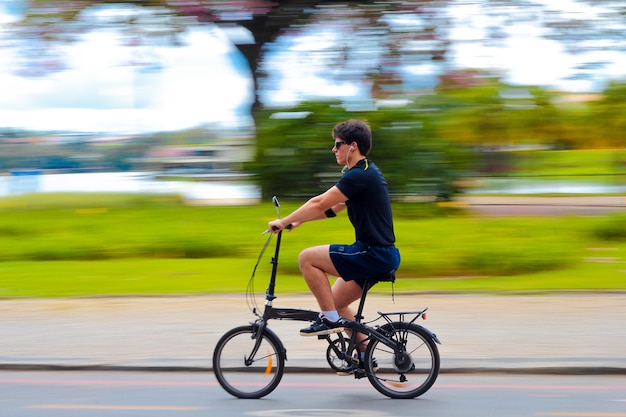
(523, 54)
(105, 84)
(529, 58)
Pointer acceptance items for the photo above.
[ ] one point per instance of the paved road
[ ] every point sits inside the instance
(566, 333)
(102, 394)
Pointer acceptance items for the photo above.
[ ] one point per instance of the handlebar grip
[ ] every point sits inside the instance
(288, 227)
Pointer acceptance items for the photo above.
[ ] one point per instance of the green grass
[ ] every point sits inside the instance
(584, 164)
(140, 276)
(601, 168)
(76, 245)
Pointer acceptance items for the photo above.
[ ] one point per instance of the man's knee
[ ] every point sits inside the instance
(313, 255)
(304, 257)
(316, 257)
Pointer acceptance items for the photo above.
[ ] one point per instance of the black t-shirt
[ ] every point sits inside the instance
(369, 207)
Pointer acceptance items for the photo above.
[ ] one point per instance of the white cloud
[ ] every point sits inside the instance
(536, 61)
(107, 85)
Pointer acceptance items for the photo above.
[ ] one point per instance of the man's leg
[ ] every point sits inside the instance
(315, 264)
(344, 294)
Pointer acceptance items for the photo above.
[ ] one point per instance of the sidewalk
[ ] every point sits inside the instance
(568, 333)
(542, 205)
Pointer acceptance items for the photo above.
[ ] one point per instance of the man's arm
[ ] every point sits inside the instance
(314, 209)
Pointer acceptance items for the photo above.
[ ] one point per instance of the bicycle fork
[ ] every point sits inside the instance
(259, 328)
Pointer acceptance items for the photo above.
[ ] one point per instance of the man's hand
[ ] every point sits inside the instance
(275, 226)
(278, 225)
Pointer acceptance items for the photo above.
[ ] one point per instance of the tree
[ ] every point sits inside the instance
(52, 22)
(294, 152)
(609, 116)
(429, 40)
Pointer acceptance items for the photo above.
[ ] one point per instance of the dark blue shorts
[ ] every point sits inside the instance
(358, 261)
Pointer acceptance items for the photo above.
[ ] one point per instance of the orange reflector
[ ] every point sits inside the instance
(423, 316)
(269, 366)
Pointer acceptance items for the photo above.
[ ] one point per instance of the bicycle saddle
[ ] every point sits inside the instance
(386, 277)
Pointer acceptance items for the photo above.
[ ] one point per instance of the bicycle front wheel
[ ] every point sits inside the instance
(408, 374)
(244, 371)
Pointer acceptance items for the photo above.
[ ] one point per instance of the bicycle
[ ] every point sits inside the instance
(401, 358)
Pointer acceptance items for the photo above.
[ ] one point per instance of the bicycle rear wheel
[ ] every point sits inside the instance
(403, 376)
(243, 373)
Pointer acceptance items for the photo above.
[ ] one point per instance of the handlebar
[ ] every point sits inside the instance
(288, 227)
(277, 206)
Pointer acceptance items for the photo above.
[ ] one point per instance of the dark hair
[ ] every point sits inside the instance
(355, 131)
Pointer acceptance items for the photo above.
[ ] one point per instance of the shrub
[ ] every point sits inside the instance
(612, 228)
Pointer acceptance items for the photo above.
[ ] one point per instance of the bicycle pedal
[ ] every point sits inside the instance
(359, 373)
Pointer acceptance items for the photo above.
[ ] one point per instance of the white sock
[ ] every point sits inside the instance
(330, 315)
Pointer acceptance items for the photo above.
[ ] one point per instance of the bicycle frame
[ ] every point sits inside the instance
(355, 326)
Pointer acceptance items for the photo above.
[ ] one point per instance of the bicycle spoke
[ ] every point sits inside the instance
(255, 376)
(409, 375)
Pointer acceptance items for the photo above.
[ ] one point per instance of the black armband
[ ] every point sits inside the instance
(330, 213)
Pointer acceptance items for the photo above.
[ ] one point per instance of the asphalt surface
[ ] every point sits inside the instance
(552, 333)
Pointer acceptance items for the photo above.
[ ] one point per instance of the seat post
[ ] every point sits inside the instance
(368, 284)
(366, 287)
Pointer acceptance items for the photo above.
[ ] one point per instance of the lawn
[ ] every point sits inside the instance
(77, 245)
(584, 164)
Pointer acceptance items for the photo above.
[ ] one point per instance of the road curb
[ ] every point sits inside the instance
(538, 370)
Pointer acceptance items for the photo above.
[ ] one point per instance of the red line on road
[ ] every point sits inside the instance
(102, 382)
(300, 384)
(117, 407)
(531, 387)
(584, 414)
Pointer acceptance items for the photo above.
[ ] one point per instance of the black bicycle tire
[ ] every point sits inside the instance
(278, 353)
(392, 328)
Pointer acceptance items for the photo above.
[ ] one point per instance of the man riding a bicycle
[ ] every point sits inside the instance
(363, 191)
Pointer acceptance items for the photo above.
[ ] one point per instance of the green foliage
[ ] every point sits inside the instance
(133, 245)
(609, 116)
(91, 201)
(612, 228)
(294, 157)
(428, 146)
(425, 210)
(71, 227)
(476, 107)
(168, 230)
(470, 246)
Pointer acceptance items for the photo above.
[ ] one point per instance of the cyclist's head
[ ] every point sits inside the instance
(355, 132)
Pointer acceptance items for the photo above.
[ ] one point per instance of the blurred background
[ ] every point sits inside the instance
(221, 99)
(178, 116)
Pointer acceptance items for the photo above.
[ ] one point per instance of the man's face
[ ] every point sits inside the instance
(340, 149)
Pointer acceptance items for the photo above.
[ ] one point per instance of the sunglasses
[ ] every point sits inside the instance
(338, 144)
